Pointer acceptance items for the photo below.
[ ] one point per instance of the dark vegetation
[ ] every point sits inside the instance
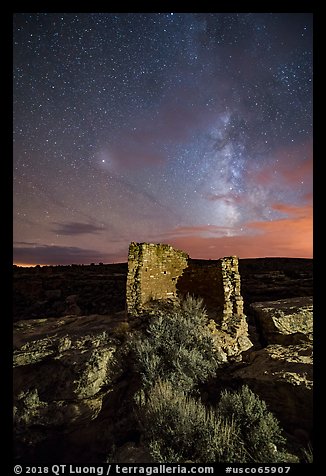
(172, 355)
(43, 292)
(100, 288)
(175, 345)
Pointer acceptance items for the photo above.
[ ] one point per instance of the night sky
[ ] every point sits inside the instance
(193, 129)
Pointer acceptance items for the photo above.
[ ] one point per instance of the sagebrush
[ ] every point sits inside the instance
(176, 345)
(179, 428)
(174, 353)
(259, 429)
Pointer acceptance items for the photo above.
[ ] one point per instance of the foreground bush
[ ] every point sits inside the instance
(172, 355)
(258, 428)
(176, 346)
(178, 428)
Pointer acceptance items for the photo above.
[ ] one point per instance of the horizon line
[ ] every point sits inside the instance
(34, 265)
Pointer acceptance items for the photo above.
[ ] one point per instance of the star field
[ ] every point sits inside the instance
(192, 129)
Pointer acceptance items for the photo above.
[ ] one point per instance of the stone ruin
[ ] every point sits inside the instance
(158, 272)
(153, 272)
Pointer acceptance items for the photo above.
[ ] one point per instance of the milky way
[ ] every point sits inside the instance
(185, 128)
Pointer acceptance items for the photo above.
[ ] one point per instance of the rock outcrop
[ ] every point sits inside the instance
(286, 321)
(282, 372)
(283, 377)
(63, 369)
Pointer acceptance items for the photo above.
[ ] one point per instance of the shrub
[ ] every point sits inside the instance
(173, 353)
(259, 429)
(307, 454)
(176, 346)
(179, 428)
(121, 331)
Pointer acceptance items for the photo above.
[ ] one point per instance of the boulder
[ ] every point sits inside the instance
(283, 377)
(286, 321)
(72, 307)
(63, 369)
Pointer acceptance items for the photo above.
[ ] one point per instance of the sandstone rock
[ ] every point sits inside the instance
(286, 321)
(30, 410)
(63, 368)
(283, 377)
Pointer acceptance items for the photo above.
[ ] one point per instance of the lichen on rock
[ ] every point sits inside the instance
(286, 321)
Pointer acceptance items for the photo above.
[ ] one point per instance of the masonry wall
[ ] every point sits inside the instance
(159, 272)
(204, 281)
(153, 272)
(217, 283)
(233, 301)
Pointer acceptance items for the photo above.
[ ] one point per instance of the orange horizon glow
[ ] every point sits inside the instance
(26, 265)
(290, 236)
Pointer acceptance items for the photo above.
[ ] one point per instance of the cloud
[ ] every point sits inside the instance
(202, 230)
(296, 162)
(308, 197)
(292, 210)
(301, 172)
(76, 228)
(288, 236)
(225, 197)
(48, 254)
(28, 243)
